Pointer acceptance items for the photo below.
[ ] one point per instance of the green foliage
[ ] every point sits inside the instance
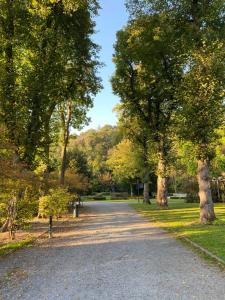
(10, 247)
(55, 203)
(47, 59)
(147, 86)
(77, 161)
(92, 146)
(27, 207)
(198, 31)
(48, 62)
(218, 164)
(202, 91)
(99, 197)
(181, 218)
(125, 161)
(18, 185)
(95, 144)
(148, 72)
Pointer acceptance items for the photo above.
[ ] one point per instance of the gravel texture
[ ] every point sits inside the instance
(112, 254)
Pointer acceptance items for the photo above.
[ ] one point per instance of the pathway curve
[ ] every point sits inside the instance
(112, 254)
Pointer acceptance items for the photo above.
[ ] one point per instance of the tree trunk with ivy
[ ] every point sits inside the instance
(207, 213)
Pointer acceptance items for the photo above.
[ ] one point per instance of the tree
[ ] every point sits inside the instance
(148, 70)
(125, 162)
(77, 160)
(201, 32)
(48, 63)
(43, 67)
(203, 95)
(18, 188)
(203, 108)
(55, 203)
(79, 82)
(95, 145)
(202, 91)
(140, 138)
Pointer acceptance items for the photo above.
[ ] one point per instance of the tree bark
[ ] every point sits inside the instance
(207, 213)
(66, 120)
(162, 181)
(11, 215)
(146, 173)
(131, 190)
(146, 187)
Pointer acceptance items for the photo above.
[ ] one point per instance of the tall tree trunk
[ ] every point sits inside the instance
(66, 120)
(11, 215)
(131, 190)
(146, 173)
(47, 142)
(146, 187)
(207, 213)
(162, 181)
(175, 184)
(63, 164)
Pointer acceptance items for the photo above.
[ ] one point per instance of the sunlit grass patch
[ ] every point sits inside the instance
(12, 246)
(183, 220)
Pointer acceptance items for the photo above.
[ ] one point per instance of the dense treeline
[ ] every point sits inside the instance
(170, 76)
(117, 158)
(48, 66)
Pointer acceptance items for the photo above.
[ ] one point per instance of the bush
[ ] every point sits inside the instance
(119, 196)
(56, 203)
(99, 197)
(192, 198)
(27, 208)
(104, 194)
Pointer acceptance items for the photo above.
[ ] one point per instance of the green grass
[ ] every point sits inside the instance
(13, 246)
(126, 201)
(183, 220)
(110, 200)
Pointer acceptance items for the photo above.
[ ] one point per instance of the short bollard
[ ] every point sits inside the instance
(76, 211)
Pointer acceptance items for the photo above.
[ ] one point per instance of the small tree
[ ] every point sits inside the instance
(139, 136)
(55, 203)
(18, 188)
(125, 162)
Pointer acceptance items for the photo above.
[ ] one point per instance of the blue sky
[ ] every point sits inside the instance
(112, 17)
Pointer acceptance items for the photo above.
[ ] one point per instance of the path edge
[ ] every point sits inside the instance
(182, 239)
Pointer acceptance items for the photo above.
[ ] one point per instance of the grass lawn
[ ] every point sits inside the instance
(12, 246)
(109, 200)
(183, 220)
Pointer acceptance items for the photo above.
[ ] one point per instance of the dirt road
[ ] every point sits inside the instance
(112, 254)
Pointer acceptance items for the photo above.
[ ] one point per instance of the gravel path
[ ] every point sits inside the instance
(112, 254)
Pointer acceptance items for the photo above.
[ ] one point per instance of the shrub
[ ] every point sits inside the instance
(55, 203)
(99, 197)
(119, 196)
